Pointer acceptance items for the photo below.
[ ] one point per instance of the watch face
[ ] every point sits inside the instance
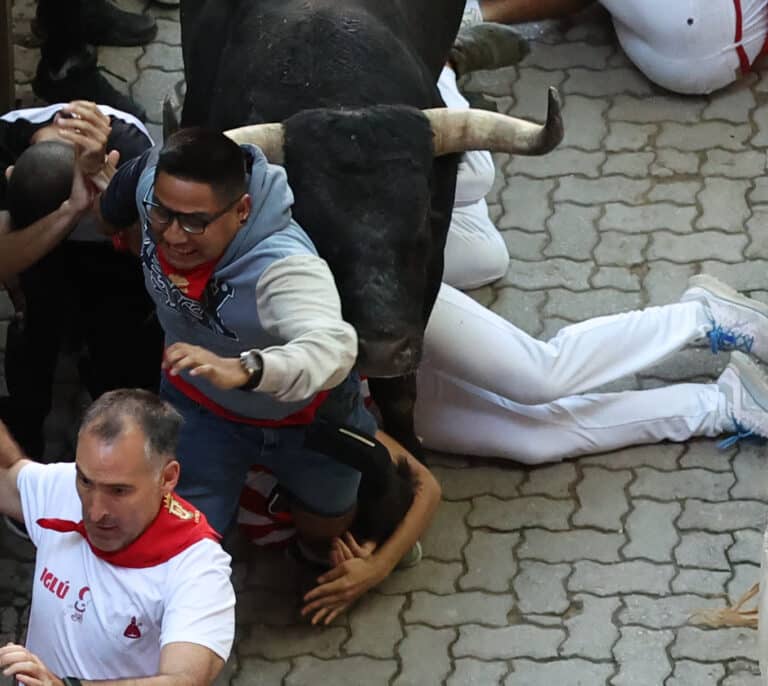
(251, 361)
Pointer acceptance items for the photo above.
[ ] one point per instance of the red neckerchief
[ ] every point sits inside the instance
(191, 282)
(176, 527)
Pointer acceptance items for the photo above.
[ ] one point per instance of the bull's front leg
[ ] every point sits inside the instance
(396, 400)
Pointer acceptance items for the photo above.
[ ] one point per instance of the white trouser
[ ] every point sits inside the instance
(486, 388)
(475, 252)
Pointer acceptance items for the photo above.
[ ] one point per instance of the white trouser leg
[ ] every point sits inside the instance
(466, 341)
(456, 417)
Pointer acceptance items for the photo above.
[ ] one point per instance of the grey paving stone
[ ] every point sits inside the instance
(547, 274)
(521, 640)
(633, 164)
(733, 104)
(521, 512)
(256, 672)
(489, 83)
(611, 82)
(553, 480)
(347, 671)
(703, 245)
(602, 500)
(751, 478)
(674, 191)
(523, 245)
(735, 165)
(624, 136)
(704, 136)
(590, 192)
(572, 231)
(461, 484)
(522, 308)
(714, 645)
(490, 561)
(748, 547)
(539, 587)
(758, 239)
(648, 218)
(569, 546)
(622, 577)
(581, 306)
(459, 608)
(651, 530)
(729, 516)
(162, 56)
(666, 612)
(745, 576)
(701, 581)
(526, 204)
(591, 631)
(530, 91)
(447, 534)
(562, 161)
(743, 673)
(150, 89)
(619, 248)
(696, 674)
(471, 672)
(291, 641)
(620, 278)
(168, 32)
(687, 483)
(375, 625)
(704, 454)
(706, 551)
(743, 277)
(568, 55)
(642, 656)
(562, 673)
(657, 108)
(760, 118)
(424, 656)
(719, 194)
(428, 575)
(123, 62)
(670, 162)
(665, 282)
(585, 127)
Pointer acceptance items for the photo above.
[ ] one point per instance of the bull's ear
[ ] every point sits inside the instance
(352, 448)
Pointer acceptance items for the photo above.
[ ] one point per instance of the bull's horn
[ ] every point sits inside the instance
(269, 137)
(460, 130)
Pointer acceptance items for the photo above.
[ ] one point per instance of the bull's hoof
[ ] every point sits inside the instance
(487, 46)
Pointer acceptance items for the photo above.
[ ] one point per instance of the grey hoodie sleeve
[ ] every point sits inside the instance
(298, 302)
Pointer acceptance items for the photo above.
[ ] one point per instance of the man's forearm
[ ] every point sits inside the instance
(19, 250)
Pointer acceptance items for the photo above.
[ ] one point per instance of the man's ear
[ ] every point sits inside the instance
(244, 207)
(170, 476)
(8, 171)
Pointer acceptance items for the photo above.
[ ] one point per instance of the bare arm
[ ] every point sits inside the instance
(360, 571)
(12, 460)
(519, 11)
(181, 664)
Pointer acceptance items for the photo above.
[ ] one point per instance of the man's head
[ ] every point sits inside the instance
(200, 185)
(125, 464)
(40, 181)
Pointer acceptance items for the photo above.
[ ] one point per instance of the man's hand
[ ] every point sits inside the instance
(356, 571)
(26, 667)
(82, 123)
(222, 372)
(81, 196)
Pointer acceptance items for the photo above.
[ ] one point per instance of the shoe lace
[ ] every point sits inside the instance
(729, 339)
(741, 433)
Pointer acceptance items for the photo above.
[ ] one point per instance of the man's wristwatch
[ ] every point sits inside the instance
(71, 681)
(252, 365)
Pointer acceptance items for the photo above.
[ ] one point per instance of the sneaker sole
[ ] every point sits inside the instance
(724, 292)
(754, 379)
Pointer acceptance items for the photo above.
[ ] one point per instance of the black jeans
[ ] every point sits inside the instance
(61, 23)
(89, 291)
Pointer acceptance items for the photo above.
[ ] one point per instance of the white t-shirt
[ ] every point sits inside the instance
(94, 620)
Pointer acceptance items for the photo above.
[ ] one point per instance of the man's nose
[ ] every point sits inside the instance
(174, 233)
(96, 507)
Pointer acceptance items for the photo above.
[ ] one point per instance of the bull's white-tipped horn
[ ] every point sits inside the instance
(460, 130)
(269, 137)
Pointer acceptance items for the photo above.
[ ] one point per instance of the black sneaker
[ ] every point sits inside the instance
(16, 528)
(84, 82)
(106, 24)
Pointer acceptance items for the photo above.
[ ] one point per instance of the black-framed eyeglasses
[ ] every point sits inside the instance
(160, 217)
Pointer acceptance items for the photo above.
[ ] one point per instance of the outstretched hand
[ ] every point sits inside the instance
(355, 571)
(82, 123)
(222, 372)
(27, 668)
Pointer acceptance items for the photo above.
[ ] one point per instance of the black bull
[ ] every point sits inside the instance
(347, 80)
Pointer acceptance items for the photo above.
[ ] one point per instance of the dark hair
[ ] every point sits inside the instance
(205, 156)
(112, 414)
(40, 182)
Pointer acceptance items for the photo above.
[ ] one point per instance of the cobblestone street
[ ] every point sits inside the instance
(581, 573)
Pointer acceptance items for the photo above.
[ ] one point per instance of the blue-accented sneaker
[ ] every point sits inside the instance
(745, 387)
(738, 322)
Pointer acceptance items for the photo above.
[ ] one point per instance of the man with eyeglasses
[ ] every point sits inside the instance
(254, 335)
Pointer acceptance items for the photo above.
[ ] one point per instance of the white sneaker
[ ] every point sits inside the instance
(745, 387)
(738, 322)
